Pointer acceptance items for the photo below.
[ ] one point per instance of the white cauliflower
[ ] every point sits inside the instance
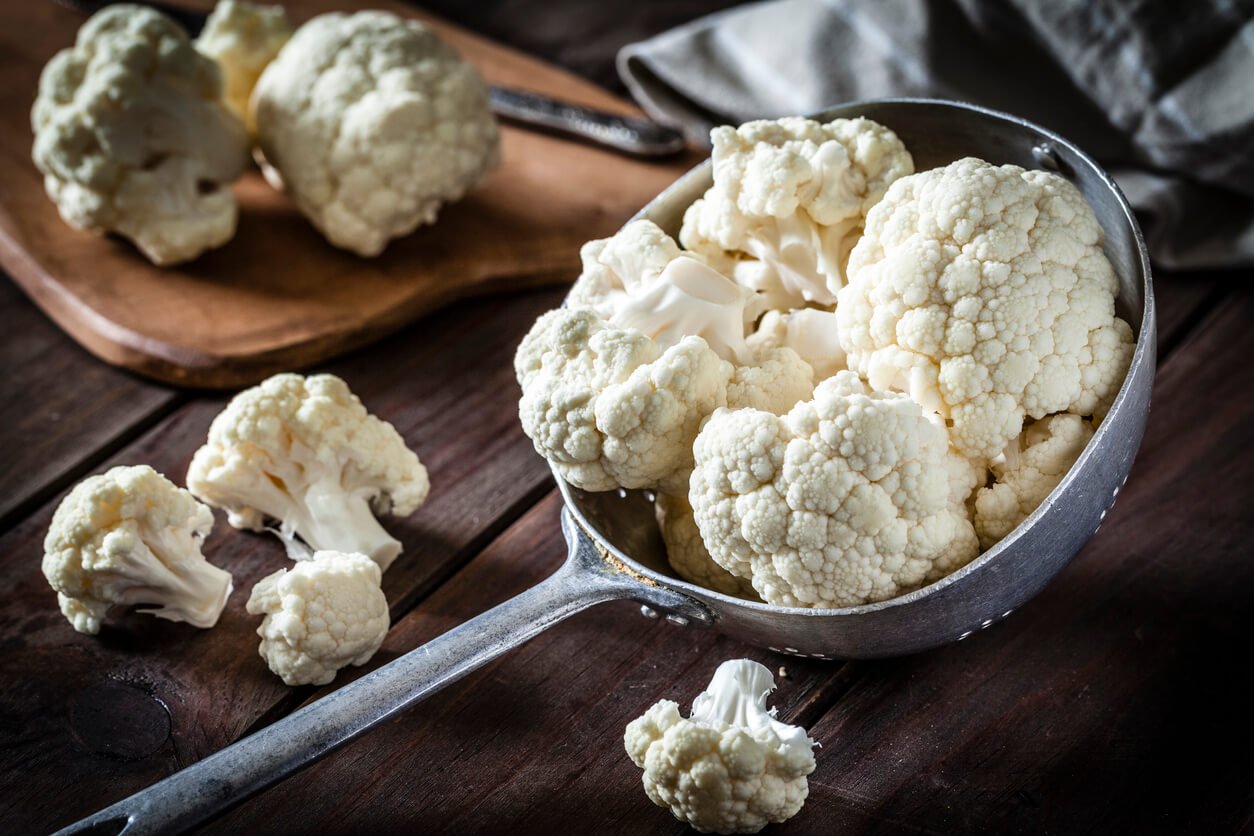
(788, 202)
(321, 615)
(730, 767)
(640, 280)
(811, 332)
(687, 553)
(131, 536)
(1032, 466)
(845, 500)
(243, 38)
(305, 453)
(983, 292)
(372, 123)
(608, 407)
(132, 136)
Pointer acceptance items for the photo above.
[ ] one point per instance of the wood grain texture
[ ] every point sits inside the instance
(278, 296)
(211, 685)
(1118, 700)
(533, 740)
(58, 406)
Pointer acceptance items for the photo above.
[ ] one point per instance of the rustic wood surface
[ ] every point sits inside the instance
(1115, 702)
(278, 296)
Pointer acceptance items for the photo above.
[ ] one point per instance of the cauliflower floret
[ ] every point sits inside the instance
(372, 123)
(132, 136)
(774, 379)
(788, 202)
(811, 332)
(608, 408)
(730, 767)
(321, 615)
(1032, 466)
(243, 38)
(304, 452)
(983, 292)
(640, 279)
(844, 501)
(688, 555)
(131, 536)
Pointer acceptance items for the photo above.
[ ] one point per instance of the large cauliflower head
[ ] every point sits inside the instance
(372, 123)
(321, 615)
(850, 498)
(788, 202)
(983, 292)
(608, 407)
(730, 767)
(131, 536)
(304, 452)
(243, 38)
(1031, 466)
(132, 136)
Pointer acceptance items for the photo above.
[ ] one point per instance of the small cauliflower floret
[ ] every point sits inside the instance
(640, 279)
(788, 202)
(132, 136)
(811, 332)
(847, 499)
(243, 38)
(321, 615)
(688, 555)
(1031, 467)
(983, 292)
(305, 453)
(372, 123)
(774, 379)
(730, 767)
(131, 536)
(608, 408)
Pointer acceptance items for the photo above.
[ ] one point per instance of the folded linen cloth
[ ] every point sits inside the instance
(1160, 92)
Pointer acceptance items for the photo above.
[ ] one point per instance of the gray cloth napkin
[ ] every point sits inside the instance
(1160, 91)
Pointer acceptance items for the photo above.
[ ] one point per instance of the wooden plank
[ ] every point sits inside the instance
(111, 714)
(58, 406)
(1118, 701)
(278, 296)
(534, 739)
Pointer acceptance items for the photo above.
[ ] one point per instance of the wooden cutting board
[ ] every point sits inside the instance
(278, 296)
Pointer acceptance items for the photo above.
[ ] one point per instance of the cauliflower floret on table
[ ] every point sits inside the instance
(983, 292)
(608, 407)
(305, 453)
(243, 38)
(132, 136)
(372, 123)
(788, 202)
(321, 615)
(131, 536)
(686, 552)
(730, 767)
(1032, 466)
(847, 499)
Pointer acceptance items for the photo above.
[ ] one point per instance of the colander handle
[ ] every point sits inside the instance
(222, 780)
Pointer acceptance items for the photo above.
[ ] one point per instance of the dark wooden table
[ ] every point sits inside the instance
(1116, 702)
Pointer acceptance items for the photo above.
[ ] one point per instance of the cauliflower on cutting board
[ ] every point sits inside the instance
(1030, 468)
(848, 499)
(730, 766)
(788, 202)
(983, 292)
(243, 38)
(132, 136)
(321, 615)
(686, 552)
(610, 408)
(304, 452)
(131, 536)
(372, 123)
